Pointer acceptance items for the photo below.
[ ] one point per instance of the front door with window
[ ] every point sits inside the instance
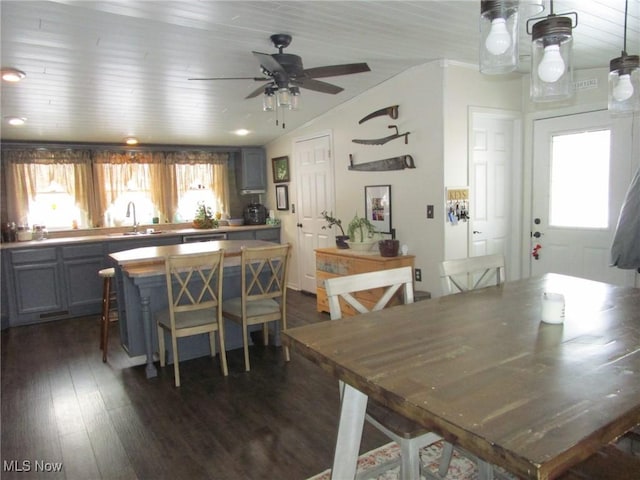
(581, 171)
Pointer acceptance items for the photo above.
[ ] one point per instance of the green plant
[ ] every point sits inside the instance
(360, 228)
(204, 217)
(331, 221)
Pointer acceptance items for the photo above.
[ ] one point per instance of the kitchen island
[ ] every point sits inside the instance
(142, 291)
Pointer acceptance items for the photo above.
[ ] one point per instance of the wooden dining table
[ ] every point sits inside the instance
(480, 369)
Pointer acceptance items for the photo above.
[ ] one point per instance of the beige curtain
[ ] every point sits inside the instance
(98, 177)
(213, 172)
(27, 170)
(115, 170)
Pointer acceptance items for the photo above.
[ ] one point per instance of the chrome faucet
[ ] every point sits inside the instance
(128, 214)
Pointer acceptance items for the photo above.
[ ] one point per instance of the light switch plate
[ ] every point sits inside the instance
(429, 211)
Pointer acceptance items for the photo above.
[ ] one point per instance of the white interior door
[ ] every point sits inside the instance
(581, 171)
(492, 154)
(315, 193)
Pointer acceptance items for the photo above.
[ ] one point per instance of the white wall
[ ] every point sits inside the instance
(418, 92)
(466, 87)
(434, 101)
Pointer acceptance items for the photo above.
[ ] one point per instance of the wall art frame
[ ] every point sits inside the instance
(282, 197)
(377, 203)
(280, 168)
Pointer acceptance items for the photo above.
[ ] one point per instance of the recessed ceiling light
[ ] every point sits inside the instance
(131, 141)
(16, 121)
(242, 132)
(12, 74)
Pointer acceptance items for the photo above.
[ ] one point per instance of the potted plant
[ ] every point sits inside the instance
(341, 240)
(361, 233)
(204, 217)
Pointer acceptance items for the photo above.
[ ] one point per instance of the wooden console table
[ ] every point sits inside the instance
(335, 262)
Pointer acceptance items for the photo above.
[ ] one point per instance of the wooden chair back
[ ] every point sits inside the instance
(465, 274)
(194, 282)
(344, 287)
(265, 272)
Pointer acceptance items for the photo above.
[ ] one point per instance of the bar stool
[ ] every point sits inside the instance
(106, 274)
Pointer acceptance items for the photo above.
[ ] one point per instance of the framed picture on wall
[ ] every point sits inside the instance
(282, 197)
(280, 169)
(377, 200)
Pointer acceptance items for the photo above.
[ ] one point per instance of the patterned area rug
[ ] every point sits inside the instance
(380, 464)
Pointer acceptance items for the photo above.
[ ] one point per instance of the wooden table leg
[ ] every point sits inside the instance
(352, 412)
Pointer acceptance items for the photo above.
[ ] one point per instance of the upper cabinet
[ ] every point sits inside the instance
(253, 170)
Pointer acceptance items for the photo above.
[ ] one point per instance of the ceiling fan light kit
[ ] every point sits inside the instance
(286, 75)
(624, 79)
(551, 57)
(498, 36)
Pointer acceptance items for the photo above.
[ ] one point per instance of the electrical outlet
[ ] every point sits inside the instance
(429, 211)
(418, 275)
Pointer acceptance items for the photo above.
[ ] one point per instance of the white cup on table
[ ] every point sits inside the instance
(552, 307)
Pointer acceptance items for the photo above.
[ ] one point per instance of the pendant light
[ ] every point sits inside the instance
(624, 79)
(498, 36)
(551, 56)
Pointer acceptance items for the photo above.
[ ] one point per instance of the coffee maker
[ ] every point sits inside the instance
(255, 214)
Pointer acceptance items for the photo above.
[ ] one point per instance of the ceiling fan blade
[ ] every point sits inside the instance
(257, 79)
(269, 63)
(257, 91)
(336, 70)
(317, 85)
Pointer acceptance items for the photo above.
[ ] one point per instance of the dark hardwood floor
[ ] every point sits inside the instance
(61, 404)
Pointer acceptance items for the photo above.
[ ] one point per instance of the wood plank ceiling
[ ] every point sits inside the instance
(100, 71)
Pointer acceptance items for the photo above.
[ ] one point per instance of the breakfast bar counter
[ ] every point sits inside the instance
(141, 287)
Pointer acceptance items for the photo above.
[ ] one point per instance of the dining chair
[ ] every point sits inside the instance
(194, 291)
(409, 435)
(465, 274)
(263, 297)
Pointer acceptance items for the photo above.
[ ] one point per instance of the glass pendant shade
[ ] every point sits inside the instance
(551, 60)
(294, 98)
(624, 85)
(283, 97)
(498, 36)
(268, 101)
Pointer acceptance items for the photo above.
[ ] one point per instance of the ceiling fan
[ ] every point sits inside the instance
(285, 70)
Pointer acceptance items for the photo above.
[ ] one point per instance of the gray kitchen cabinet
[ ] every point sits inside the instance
(42, 282)
(83, 285)
(37, 286)
(268, 235)
(253, 170)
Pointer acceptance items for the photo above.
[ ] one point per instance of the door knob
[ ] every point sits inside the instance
(299, 225)
(476, 231)
(537, 234)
